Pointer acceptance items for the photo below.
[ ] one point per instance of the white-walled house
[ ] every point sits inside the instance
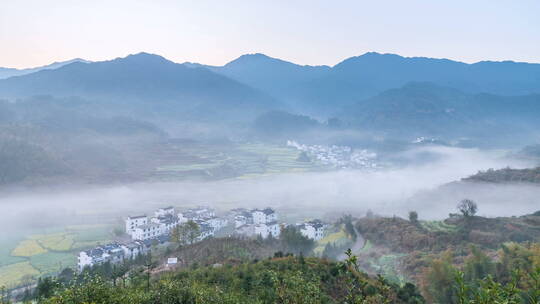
(264, 216)
(205, 231)
(133, 249)
(274, 229)
(147, 231)
(113, 253)
(261, 230)
(216, 223)
(164, 211)
(240, 220)
(265, 230)
(246, 230)
(312, 229)
(199, 213)
(167, 222)
(181, 218)
(133, 222)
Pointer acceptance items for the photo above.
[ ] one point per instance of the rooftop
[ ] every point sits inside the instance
(137, 216)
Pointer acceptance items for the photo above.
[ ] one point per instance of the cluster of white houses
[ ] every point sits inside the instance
(145, 231)
(113, 253)
(166, 219)
(256, 222)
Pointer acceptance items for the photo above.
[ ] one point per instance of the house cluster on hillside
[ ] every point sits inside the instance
(337, 156)
(256, 222)
(146, 231)
(113, 253)
(207, 220)
(166, 219)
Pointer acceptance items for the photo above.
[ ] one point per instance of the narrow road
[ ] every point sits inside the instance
(356, 247)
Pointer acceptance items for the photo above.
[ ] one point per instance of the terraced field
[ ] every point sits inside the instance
(28, 248)
(24, 259)
(238, 160)
(15, 274)
(435, 226)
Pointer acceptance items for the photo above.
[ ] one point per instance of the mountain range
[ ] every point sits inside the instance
(322, 89)
(143, 83)
(383, 93)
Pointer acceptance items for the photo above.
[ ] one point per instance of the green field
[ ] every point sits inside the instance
(337, 237)
(435, 226)
(25, 258)
(239, 160)
(16, 274)
(388, 266)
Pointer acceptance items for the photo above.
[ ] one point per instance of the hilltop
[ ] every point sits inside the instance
(506, 175)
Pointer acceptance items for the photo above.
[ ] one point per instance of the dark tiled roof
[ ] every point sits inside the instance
(268, 211)
(136, 216)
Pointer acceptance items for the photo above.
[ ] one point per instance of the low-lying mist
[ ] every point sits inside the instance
(389, 191)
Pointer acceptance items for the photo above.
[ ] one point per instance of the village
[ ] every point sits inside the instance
(339, 157)
(162, 228)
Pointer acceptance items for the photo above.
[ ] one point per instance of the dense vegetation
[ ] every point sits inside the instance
(278, 280)
(507, 175)
(464, 259)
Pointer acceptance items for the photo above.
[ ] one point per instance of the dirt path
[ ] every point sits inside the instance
(356, 247)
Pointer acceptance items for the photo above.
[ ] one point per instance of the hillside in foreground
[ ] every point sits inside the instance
(277, 280)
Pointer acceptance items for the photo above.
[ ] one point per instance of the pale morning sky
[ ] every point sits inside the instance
(38, 32)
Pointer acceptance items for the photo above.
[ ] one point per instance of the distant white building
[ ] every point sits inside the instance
(245, 230)
(240, 220)
(265, 230)
(133, 222)
(133, 249)
(264, 216)
(257, 222)
(200, 212)
(167, 222)
(206, 231)
(261, 230)
(312, 229)
(148, 231)
(274, 229)
(216, 223)
(181, 218)
(164, 211)
(113, 253)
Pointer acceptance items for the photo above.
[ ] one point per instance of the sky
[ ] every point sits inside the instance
(314, 32)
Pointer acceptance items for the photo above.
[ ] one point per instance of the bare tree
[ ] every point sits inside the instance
(467, 207)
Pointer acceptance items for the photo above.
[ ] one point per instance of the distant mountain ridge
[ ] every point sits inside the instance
(10, 72)
(384, 93)
(322, 89)
(427, 109)
(159, 84)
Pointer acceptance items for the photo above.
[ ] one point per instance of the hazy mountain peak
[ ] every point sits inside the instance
(256, 58)
(144, 57)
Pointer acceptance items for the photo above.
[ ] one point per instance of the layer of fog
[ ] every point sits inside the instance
(392, 191)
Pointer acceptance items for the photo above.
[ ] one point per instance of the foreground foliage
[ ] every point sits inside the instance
(277, 280)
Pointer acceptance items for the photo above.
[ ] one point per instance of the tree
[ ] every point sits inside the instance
(347, 220)
(413, 217)
(438, 280)
(467, 207)
(293, 241)
(186, 233)
(193, 231)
